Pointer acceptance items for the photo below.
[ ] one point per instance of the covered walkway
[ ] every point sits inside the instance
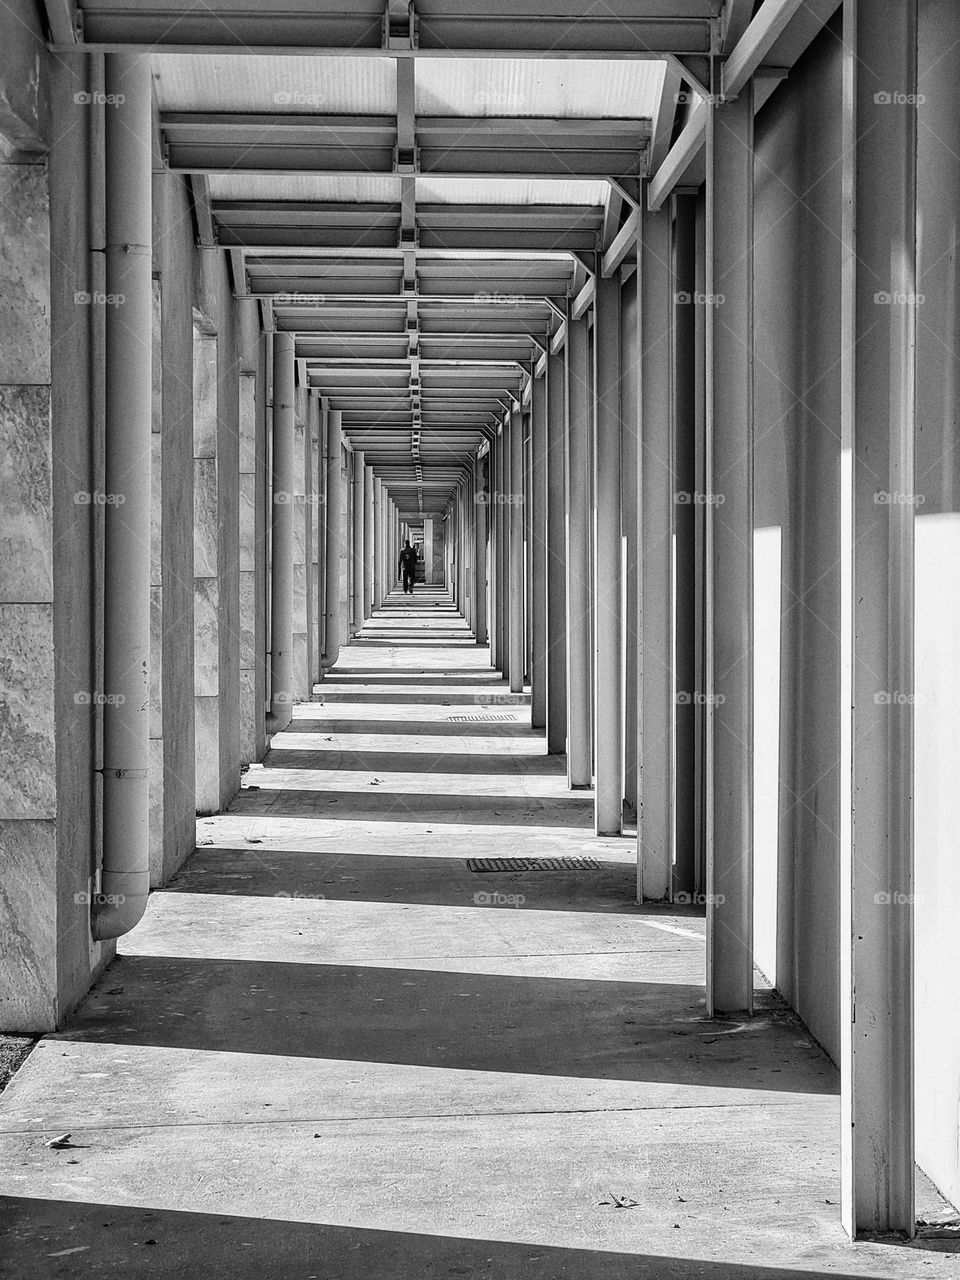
(331, 1049)
(630, 330)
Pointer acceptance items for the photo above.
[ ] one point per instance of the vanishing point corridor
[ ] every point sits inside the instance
(332, 1049)
(479, 639)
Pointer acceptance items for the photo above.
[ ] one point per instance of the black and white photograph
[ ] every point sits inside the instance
(480, 639)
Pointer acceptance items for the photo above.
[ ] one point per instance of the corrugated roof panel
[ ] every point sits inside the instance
(234, 82)
(361, 188)
(509, 191)
(528, 87)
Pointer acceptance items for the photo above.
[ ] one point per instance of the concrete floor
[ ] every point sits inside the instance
(330, 1050)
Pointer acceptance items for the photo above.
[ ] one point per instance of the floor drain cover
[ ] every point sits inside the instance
(533, 864)
(479, 719)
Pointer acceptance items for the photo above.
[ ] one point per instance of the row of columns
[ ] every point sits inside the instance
(334, 538)
(666, 693)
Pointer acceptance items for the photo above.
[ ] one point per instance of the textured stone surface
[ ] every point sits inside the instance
(204, 396)
(156, 528)
(300, 687)
(206, 640)
(299, 599)
(27, 759)
(299, 529)
(248, 536)
(156, 812)
(156, 663)
(156, 367)
(24, 274)
(208, 753)
(248, 718)
(205, 531)
(248, 652)
(28, 925)
(26, 518)
(248, 424)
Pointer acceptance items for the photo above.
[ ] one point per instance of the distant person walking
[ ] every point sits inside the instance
(408, 566)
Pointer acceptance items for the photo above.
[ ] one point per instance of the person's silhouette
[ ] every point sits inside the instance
(408, 565)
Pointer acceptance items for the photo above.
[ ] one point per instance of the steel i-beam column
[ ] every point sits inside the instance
(469, 548)
(577, 477)
(359, 557)
(608, 578)
(333, 611)
(655, 534)
(555, 561)
(497, 648)
(878, 421)
(539, 641)
(527, 492)
(515, 657)
(729, 556)
(282, 538)
(368, 542)
(630, 354)
(684, 386)
(377, 542)
(481, 496)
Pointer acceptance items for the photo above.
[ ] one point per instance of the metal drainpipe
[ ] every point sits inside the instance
(281, 538)
(332, 602)
(125, 872)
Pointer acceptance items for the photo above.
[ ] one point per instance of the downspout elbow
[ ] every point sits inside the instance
(279, 716)
(120, 904)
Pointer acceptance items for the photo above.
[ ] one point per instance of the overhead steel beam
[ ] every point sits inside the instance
(63, 23)
(623, 246)
(734, 20)
(632, 29)
(773, 18)
(779, 34)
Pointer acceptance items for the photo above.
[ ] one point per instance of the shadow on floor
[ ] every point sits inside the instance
(637, 1031)
(395, 806)
(44, 1238)
(421, 728)
(350, 761)
(420, 881)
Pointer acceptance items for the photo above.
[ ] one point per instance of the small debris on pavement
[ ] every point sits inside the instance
(61, 1143)
(620, 1202)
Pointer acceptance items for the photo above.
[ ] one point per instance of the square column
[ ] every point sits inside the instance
(481, 498)
(368, 542)
(514, 516)
(357, 553)
(378, 538)
(728, 513)
(657, 494)
(607, 573)
(539, 453)
(555, 386)
(577, 478)
(878, 506)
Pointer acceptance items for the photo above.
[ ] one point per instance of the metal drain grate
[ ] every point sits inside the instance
(533, 864)
(480, 719)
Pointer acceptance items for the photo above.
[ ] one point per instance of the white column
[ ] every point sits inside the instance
(655, 536)
(539, 461)
(556, 585)
(607, 573)
(878, 420)
(514, 515)
(368, 542)
(729, 556)
(577, 475)
(357, 559)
